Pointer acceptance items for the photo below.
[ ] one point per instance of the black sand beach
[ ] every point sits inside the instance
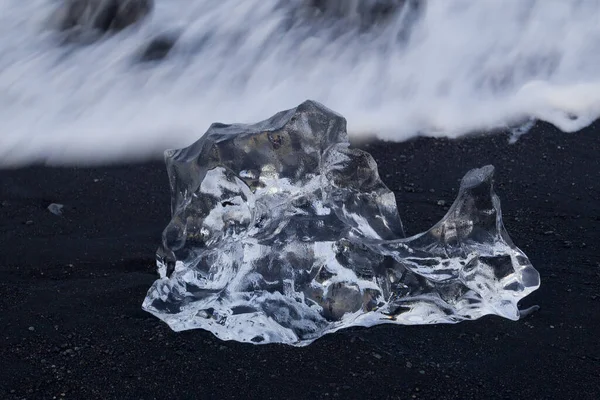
(71, 324)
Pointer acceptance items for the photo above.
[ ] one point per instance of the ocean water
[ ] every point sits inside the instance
(450, 69)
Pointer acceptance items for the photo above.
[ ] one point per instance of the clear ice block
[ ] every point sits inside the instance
(281, 232)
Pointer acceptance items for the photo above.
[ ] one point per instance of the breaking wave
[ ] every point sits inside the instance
(440, 68)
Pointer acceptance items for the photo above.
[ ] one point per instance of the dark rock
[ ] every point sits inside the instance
(131, 11)
(368, 12)
(159, 47)
(91, 18)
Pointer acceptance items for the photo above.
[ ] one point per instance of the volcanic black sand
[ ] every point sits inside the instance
(71, 288)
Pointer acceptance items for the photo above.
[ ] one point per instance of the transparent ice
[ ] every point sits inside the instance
(281, 232)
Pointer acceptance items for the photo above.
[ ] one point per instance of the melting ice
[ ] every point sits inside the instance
(282, 232)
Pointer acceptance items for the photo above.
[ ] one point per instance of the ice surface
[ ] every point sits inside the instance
(281, 232)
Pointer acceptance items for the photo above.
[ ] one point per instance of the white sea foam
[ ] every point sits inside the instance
(468, 65)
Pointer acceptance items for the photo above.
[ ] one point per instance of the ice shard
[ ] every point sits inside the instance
(282, 232)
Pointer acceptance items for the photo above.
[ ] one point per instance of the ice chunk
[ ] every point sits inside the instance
(56, 208)
(281, 232)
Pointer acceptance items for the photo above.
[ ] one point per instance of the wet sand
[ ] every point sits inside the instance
(71, 325)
